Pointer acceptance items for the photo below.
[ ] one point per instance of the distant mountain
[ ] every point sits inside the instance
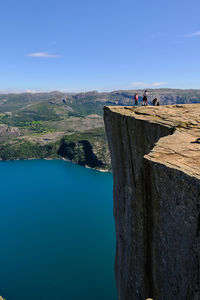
(10, 102)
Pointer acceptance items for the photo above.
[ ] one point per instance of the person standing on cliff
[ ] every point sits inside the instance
(145, 95)
(136, 99)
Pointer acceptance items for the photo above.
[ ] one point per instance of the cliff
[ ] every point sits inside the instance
(155, 154)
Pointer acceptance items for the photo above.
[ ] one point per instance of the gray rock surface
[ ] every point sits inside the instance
(155, 153)
(8, 131)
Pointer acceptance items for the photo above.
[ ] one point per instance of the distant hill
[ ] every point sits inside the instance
(39, 124)
(11, 102)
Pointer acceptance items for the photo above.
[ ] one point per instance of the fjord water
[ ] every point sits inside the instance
(57, 232)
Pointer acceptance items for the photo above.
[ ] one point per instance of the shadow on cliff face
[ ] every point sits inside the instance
(80, 152)
(90, 158)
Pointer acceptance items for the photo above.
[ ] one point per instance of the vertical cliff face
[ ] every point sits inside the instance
(155, 153)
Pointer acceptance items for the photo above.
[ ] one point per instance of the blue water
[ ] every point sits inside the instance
(57, 232)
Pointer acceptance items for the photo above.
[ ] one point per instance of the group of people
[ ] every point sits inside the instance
(145, 99)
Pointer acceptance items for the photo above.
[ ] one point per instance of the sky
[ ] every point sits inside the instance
(81, 45)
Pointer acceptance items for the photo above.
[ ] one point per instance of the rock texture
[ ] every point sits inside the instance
(155, 153)
(8, 131)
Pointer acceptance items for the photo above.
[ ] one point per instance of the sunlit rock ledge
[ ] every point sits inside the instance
(155, 153)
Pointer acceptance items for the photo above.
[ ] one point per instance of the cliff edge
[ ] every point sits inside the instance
(155, 153)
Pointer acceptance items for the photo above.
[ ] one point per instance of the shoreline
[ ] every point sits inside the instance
(61, 158)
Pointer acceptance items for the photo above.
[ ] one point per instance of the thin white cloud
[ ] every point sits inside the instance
(138, 84)
(159, 83)
(194, 34)
(44, 55)
(145, 84)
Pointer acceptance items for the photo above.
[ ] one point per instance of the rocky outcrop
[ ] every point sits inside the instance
(8, 132)
(80, 152)
(155, 153)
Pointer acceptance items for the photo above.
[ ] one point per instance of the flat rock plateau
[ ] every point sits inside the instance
(155, 154)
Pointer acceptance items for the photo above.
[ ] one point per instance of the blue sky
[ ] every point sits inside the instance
(99, 45)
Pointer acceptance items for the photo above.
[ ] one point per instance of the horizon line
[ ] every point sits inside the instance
(7, 92)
